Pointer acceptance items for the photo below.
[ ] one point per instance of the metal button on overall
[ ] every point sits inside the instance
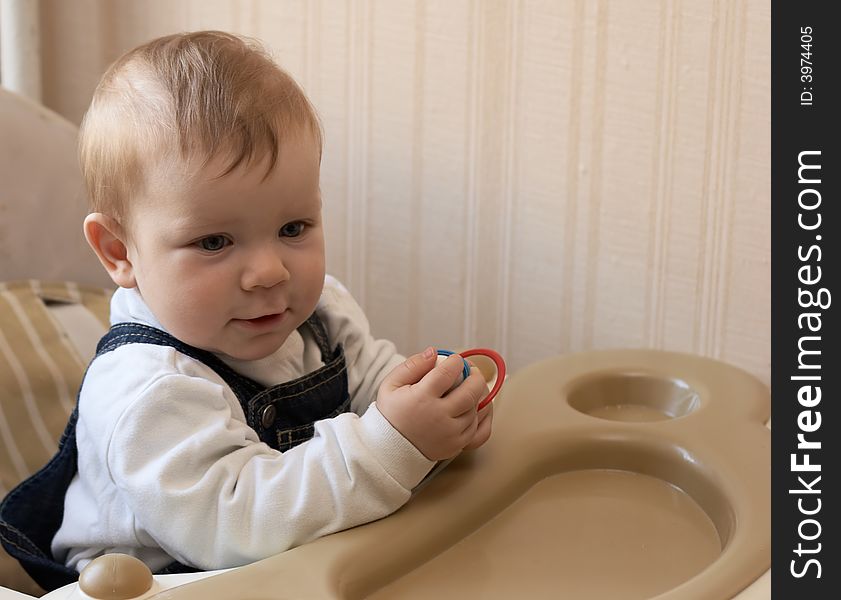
(268, 414)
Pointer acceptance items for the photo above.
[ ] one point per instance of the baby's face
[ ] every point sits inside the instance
(232, 264)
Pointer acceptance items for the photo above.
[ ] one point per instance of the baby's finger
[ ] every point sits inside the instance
(483, 429)
(411, 370)
(468, 422)
(466, 397)
(440, 379)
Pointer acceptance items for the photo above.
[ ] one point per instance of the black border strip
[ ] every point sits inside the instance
(805, 229)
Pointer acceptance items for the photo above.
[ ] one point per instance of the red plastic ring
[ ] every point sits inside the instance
(500, 371)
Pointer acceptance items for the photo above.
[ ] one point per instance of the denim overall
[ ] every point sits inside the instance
(282, 415)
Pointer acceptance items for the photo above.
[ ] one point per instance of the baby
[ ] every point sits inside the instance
(229, 413)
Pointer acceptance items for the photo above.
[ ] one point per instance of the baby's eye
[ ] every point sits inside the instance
(213, 243)
(292, 229)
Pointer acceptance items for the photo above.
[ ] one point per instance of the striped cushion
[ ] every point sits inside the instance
(48, 333)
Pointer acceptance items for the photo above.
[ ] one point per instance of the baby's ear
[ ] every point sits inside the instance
(107, 239)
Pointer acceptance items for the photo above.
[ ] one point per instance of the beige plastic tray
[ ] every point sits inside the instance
(610, 475)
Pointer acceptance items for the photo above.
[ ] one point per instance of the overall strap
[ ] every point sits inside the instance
(319, 332)
(244, 387)
(136, 333)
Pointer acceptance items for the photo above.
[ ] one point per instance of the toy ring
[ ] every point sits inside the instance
(494, 356)
(465, 372)
(500, 371)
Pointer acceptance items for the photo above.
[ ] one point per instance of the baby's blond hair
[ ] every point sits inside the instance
(192, 96)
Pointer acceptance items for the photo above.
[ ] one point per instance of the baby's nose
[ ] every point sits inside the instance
(265, 268)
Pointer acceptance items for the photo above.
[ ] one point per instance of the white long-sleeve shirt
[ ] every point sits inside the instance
(169, 469)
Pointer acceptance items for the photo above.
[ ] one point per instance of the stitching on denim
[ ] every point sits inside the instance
(292, 440)
(334, 363)
(273, 390)
(254, 404)
(293, 430)
(330, 415)
(319, 331)
(20, 535)
(153, 334)
(290, 432)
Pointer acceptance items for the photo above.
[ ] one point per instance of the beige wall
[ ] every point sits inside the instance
(535, 176)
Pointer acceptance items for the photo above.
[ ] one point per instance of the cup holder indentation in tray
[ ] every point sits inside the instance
(632, 397)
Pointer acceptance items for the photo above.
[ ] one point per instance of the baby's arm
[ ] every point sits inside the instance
(202, 486)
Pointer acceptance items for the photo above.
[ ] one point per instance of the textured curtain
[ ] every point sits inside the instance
(539, 177)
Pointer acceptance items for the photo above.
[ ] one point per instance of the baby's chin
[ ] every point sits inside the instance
(251, 350)
(238, 351)
(249, 356)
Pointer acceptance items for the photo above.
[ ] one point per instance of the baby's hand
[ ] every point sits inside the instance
(414, 398)
(483, 427)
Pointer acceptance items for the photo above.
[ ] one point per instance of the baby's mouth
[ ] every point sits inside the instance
(264, 320)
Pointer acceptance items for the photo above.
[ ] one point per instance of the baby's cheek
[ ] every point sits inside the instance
(194, 322)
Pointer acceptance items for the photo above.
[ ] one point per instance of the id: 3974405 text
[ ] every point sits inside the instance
(806, 68)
